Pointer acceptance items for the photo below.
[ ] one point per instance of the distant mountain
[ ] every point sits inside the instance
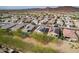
(63, 8)
(57, 9)
(67, 9)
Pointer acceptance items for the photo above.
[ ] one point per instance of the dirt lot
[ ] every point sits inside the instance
(61, 46)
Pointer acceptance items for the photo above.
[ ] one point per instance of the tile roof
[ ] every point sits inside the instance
(69, 33)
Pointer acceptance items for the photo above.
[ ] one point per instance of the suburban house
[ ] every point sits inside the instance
(70, 35)
(28, 28)
(54, 31)
(42, 29)
(8, 26)
(18, 26)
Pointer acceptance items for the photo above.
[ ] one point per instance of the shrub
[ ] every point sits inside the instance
(15, 43)
(23, 46)
(43, 37)
(11, 42)
(21, 34)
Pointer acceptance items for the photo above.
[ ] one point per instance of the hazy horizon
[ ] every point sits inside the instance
(25, 7)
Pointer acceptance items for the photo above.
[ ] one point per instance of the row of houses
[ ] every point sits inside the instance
(15, 27)
(54, 25)
(68, 34)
